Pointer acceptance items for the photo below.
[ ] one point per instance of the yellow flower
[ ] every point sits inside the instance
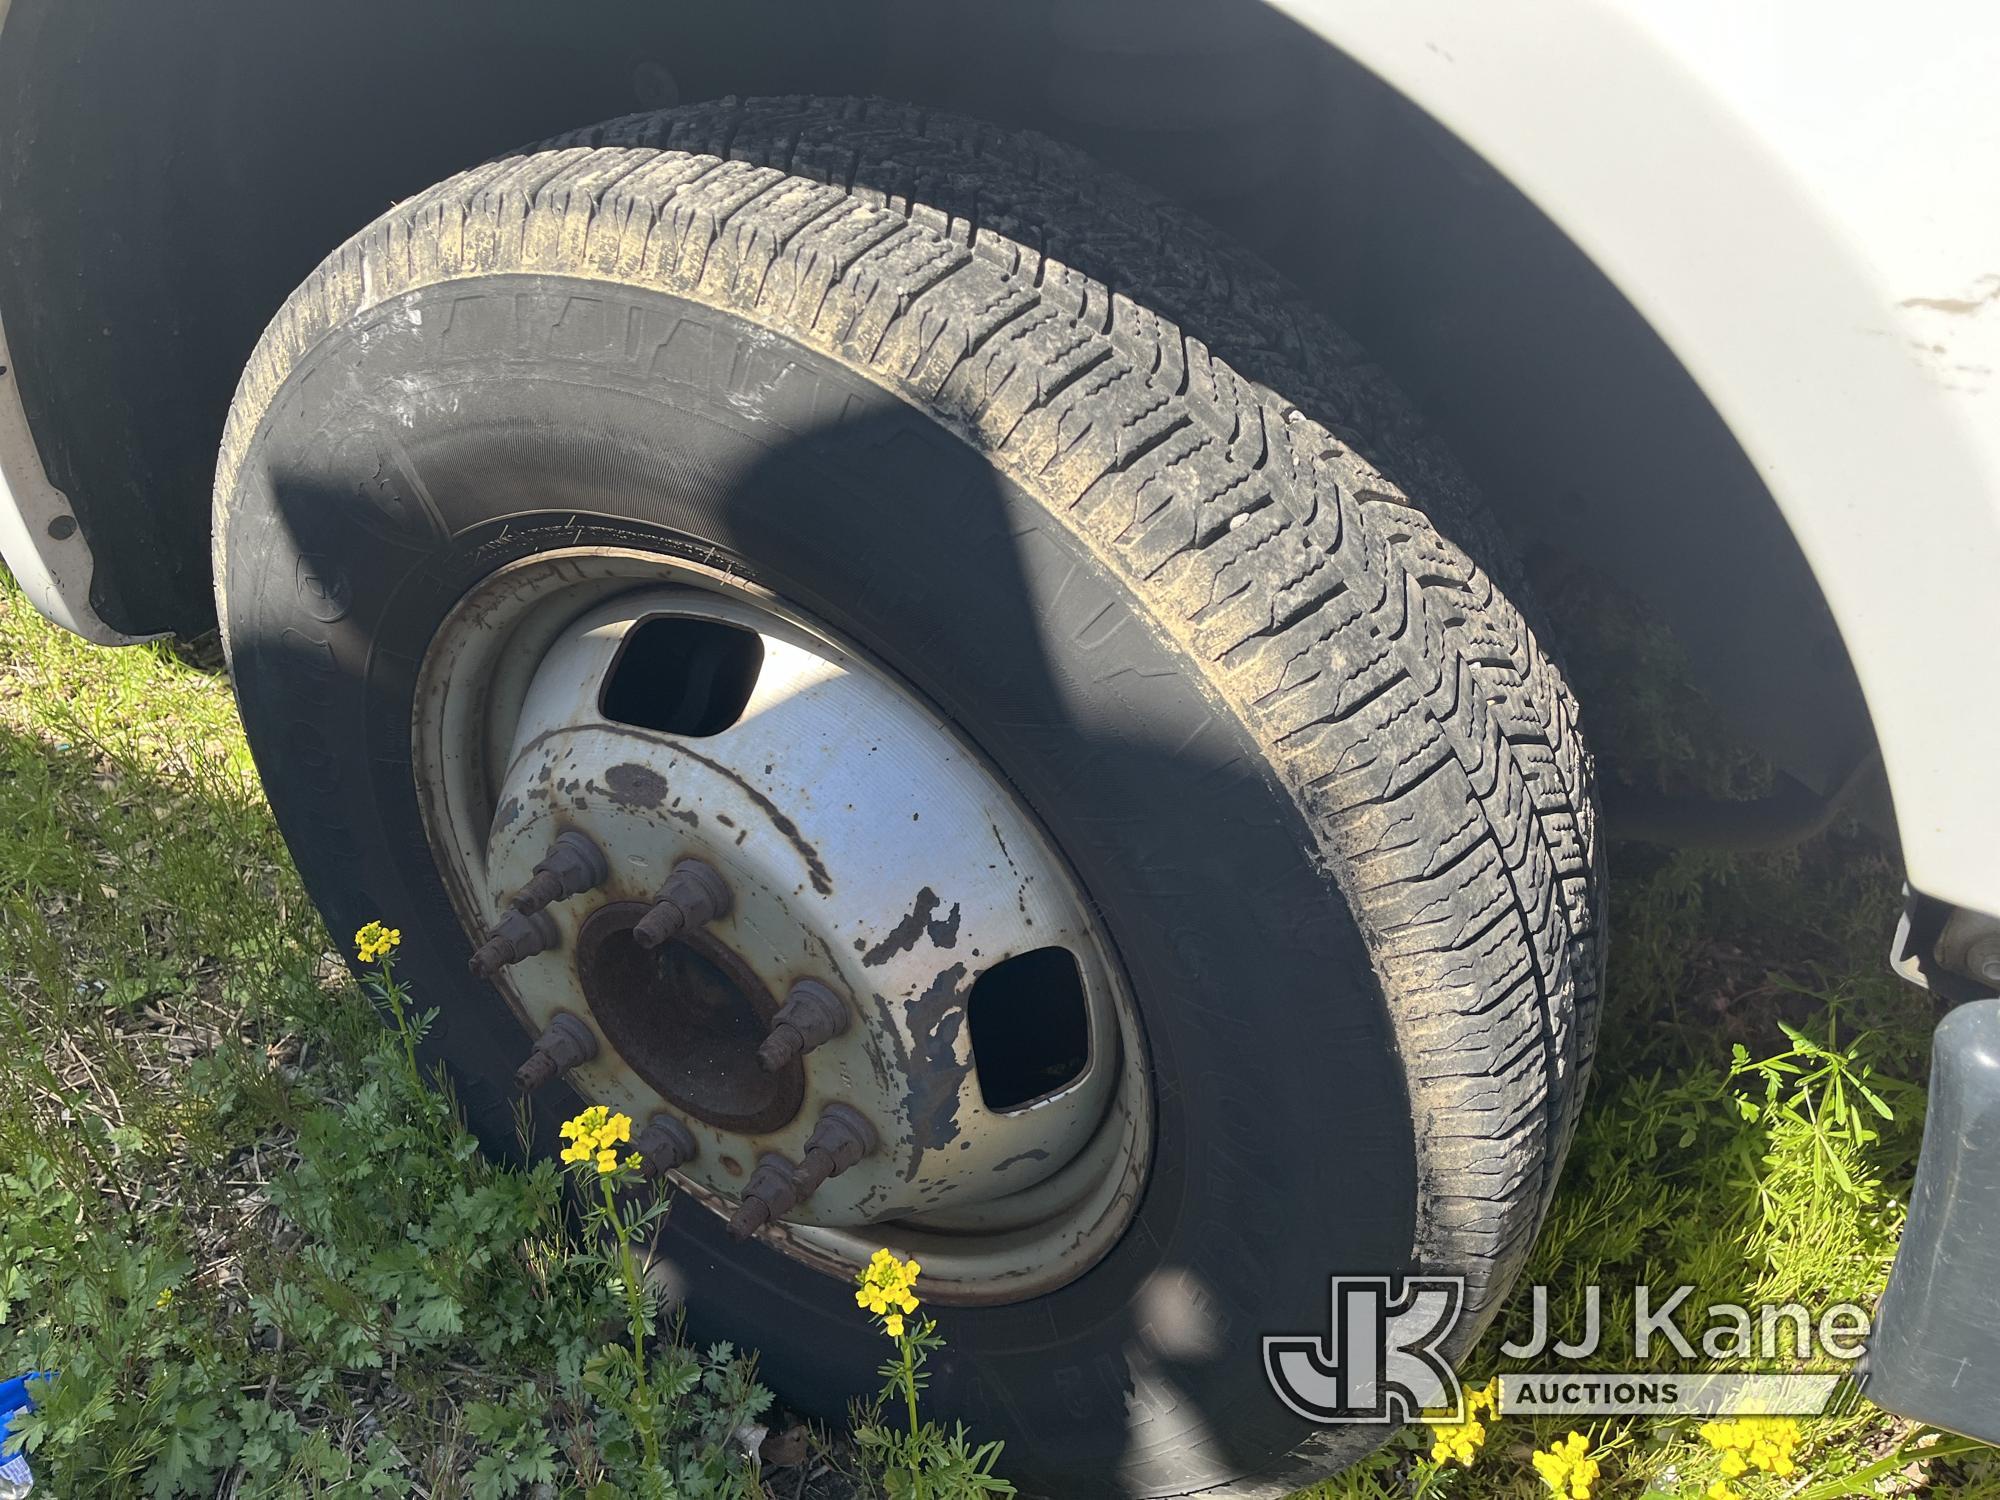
(166, 1297)
(594, 1137)
(1566, 1469)
(1747, 1443)
(884, 1289)
(1460, 1442)
(1720, 1490)
(374, 941)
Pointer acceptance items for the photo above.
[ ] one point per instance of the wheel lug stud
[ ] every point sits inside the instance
(766, 1196)
(812, 1014)
(664, 1144)
(566, 1043)
(573, 864)
(693, 896)
(514, 937)
(841, 1138)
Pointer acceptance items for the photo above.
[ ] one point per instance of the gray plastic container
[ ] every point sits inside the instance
(1935, 1353)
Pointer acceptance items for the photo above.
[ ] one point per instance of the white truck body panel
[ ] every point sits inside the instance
(39, 540)
(1802, 200)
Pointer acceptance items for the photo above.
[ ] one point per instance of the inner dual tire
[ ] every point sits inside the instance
(1149, 533)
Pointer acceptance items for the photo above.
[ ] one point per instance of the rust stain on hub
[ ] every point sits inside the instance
(687, 1017)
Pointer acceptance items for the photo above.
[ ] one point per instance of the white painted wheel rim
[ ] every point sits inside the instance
(866, 845)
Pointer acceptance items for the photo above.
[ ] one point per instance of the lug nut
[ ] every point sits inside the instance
(663, 1145)
(573, 864)
(693, 896)
(566, 1043)
(514, 937)
(812, 1014)
(766, 1196)
(840, 1139)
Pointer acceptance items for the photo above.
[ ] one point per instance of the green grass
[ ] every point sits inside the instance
(269, 1263)
(260, 1251)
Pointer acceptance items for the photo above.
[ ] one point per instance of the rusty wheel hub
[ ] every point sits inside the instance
(687, 1016)
(797, 924)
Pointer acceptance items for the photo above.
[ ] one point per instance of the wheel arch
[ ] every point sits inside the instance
(1850, 355)
(1479, 279)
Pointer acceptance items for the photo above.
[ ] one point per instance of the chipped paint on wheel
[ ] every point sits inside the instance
(864, 846)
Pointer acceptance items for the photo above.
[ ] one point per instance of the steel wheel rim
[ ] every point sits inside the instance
(525, 639)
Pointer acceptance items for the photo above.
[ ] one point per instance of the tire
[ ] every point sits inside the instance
(1146, 528)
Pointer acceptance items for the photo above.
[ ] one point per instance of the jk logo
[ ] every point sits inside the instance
(1379, 1361)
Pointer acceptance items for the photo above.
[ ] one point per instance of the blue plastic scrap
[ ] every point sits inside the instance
(15, 1398)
